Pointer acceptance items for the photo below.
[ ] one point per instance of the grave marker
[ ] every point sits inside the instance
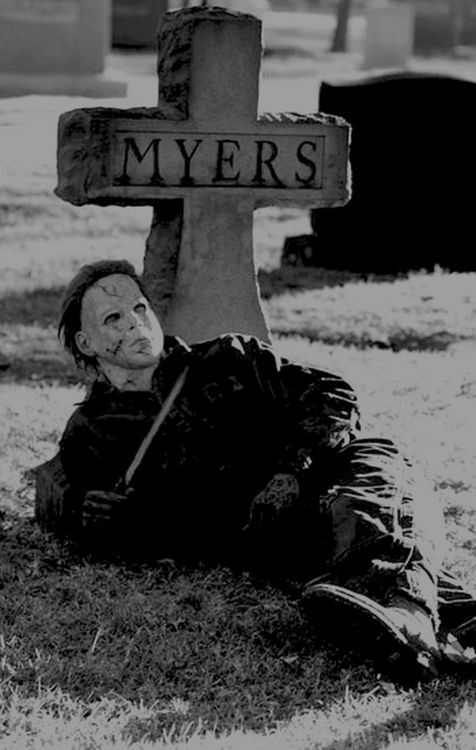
(55, 47)
(204, 160)
(389, 34)
(412, 137)
(135, 22)
(436, 25)
(441, 25)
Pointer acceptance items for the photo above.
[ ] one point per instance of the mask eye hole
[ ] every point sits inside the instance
(112, 318)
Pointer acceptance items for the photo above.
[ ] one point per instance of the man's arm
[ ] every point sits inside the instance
(93, 478)
(324, 415)
(319, 412)
(85, 454)
(319, 409)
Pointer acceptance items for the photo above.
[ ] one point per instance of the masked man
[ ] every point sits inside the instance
(257, 460)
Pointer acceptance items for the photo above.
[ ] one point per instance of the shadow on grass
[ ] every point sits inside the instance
(435, 708)
(41, 307)
(290, 278)
(236, 650)
(38, 306)
(404, 337)
(48, 370)
(287, 51)
(28, 359)
(399, 341)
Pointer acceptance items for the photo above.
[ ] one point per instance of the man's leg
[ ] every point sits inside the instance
(386, 526)
(385, 541)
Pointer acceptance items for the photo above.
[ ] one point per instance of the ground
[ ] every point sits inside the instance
(98, 655)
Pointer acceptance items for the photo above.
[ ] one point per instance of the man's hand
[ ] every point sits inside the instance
(101, 509)
(279, 495)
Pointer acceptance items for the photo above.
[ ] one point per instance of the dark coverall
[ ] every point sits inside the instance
(357, 515)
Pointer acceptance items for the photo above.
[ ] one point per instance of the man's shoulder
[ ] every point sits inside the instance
(175, 345)
(96, 394)
(97, 391)
(331, 383)
(230, 343)
(100, 398)
(75, 424)
(245, 348)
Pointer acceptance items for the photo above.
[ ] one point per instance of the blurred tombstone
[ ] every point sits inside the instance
(55, 47)
(300, 250)
(256, 7)
(135, 22)
(413, 161)
(468, 24)
(442, 25)
(389, 35)
(436, 25)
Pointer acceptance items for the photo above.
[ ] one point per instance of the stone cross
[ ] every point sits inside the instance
(204, 161)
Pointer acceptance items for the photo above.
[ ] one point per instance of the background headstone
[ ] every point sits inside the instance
(134, 22)
(256, 7)
(389, 34)
(468, 26)
(55, 47)
(413, 160)
(441, 25)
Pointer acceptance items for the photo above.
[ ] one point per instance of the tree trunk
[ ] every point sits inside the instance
(456, 21)
(339, 42)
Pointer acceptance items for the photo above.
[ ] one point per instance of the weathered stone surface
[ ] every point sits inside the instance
(162, 254)
(204, 145)
(84, 140)
(221, 274)
(105, 156)
(208, 65)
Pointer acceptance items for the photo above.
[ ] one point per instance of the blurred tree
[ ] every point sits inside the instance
(339, 41)
(457, 21)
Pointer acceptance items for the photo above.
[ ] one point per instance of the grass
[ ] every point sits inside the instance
(93, 654)
(97, 654)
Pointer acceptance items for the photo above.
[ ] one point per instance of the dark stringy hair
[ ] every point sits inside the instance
(70, 317)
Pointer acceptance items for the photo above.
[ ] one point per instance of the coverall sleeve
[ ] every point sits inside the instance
(106, 519)
(84, 458)
(320, 409)
(324, 415)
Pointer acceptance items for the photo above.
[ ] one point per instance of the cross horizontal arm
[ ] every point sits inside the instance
(139, 156)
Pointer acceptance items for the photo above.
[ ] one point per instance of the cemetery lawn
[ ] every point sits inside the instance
(102, 655)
